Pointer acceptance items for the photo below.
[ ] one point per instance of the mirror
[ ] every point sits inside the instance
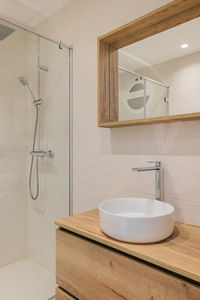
(149, 69)
(160, 75)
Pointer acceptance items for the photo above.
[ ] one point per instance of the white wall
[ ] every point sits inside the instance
(103, 157)
(14, 129)
(26, 226)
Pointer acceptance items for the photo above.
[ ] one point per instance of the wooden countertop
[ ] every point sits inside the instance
(179, 253)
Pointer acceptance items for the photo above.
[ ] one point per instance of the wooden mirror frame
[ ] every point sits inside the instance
(175, 13)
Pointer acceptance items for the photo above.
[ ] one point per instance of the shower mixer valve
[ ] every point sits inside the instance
(37, 102)
(42, 153)
(43, 68)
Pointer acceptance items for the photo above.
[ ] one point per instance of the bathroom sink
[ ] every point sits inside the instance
(136, 220)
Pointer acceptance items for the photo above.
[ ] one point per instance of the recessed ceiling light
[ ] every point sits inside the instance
(184, 46)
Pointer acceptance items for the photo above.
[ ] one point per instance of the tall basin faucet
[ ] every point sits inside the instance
(156, 168)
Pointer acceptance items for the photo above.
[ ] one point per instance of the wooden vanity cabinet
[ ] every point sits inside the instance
(91, 271)
(63, 295)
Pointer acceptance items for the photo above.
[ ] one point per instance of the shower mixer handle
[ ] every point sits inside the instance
(51, 153)
(37, 102)
(42, 153)
(43, 68)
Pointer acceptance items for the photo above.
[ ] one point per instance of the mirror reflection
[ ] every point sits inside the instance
(160, 75)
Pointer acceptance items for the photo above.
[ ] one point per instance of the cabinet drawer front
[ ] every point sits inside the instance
(90, 271)
(62, 295)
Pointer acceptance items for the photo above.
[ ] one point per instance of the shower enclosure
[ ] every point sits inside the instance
(35, 158)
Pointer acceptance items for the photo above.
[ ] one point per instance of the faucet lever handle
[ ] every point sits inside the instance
(156, 162)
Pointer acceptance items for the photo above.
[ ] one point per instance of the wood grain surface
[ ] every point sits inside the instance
(163, 18)
(62, 295)
(155, 120)
(90, 271)
(180, 253)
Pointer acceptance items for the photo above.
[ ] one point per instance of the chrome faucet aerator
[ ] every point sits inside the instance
(155, 168)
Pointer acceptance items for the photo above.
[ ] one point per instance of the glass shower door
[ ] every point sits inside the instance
(27, 230)
(53, 200)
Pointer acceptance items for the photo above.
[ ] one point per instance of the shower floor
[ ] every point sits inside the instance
(25, 280)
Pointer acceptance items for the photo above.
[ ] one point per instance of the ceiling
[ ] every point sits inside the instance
(30, 12)
(162, 47)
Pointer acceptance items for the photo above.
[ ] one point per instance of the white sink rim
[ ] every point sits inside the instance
(136, 220)
(162, 203)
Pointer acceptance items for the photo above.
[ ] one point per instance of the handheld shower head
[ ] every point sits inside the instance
(25, 83)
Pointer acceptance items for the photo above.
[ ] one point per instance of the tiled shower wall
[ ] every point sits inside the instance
(14, 128)
(53, 201)
(27, 227)
(103, 158)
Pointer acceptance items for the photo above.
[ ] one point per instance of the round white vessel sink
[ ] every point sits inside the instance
(136, 220)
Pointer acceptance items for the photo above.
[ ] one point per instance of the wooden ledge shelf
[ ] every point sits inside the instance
(179, 254)
(157, 120)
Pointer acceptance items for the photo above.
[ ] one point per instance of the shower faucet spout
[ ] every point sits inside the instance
(155, 168)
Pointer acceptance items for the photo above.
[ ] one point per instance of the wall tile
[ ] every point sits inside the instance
(103, 157)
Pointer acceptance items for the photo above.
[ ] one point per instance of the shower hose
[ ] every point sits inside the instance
(34, 159)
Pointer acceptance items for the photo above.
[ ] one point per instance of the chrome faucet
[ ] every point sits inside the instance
(155, 168)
